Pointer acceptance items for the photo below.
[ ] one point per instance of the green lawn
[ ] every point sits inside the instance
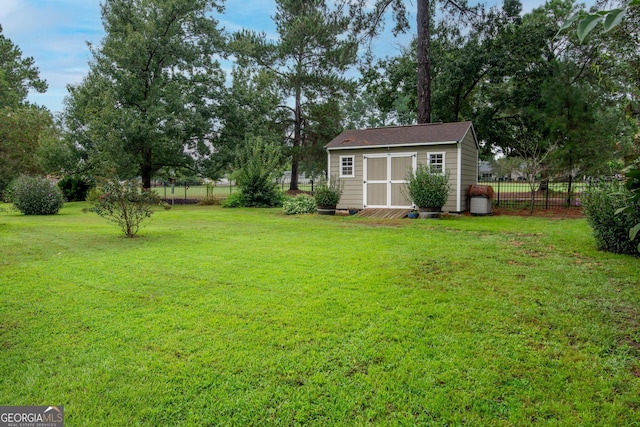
(249, 317)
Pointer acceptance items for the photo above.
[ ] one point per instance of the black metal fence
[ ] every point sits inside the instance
(546, 194)
(554, 193)
(304, 184)
(192, 192)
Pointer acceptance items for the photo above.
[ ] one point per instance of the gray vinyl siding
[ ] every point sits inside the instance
(352, 192)
(450, 165)
(352, 195)
(469, 168)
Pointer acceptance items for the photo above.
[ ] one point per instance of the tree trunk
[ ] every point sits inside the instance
(424, 62)
(297, 140)
(146, 169)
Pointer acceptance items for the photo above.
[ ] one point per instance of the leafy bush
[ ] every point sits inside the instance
(233, 201)
(258, 164)
(210, 200)
(601, 203)
(124, 204)
(74, 189)
(632, 173)
(261, 193)
(328, 194)
(300, 204)
(35, 195)
(427, 188)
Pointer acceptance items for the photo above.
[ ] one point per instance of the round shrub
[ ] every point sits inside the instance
(611, 228)
(329, 194)
(260, 193)
(234, 200)
(427, 188)
(301, 204)
(36, 196)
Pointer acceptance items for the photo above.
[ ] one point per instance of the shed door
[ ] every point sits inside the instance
(385, 178)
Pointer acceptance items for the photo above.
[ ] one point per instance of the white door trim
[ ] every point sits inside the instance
(388, 181)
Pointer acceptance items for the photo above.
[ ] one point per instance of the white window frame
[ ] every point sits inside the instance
(342, 166)
(437, 153)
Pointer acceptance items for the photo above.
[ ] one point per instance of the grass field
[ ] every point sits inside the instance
(200, 191)
(249, 317)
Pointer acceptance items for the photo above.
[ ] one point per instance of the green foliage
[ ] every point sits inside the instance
(427, 188)
(329, 194)
(258, 164)
(235, 200)
(17, 74)
(210, 200)
(35, 195)
(632, 205)
(124, 204)
(310, 59)
(20, 130)
(300, 204)
(250, 110)
(149, 98)
(74, 188)
(20, 122)
(604, 204)
(588, 22)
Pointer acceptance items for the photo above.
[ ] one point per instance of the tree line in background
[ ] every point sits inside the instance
(156, 103)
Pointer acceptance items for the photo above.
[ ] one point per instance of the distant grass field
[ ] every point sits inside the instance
(193, 192)
(201, 191)
(250, 317)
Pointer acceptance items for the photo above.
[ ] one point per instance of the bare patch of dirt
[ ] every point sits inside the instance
(553, 213)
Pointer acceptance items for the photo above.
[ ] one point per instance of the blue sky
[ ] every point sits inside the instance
(55, 32)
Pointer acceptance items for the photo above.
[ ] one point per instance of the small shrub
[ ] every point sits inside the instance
(74, 189)
(329, 194)
(180, 201)
(300, 204)
(261, 193)
(611, 229)
(427, 188)
(258, 164)
(36, 196)
(124, 204)
(210, 201)
(233, 201)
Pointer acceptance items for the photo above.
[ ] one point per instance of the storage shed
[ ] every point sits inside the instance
(374, 163)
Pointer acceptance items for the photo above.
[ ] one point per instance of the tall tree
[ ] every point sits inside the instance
(424, 15)
(549, 86)
(249, 112)
(20, 122)
(310, 58)
(18, 75)
(20, 130)
(149, 100)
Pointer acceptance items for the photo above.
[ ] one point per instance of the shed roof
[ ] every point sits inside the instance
(431, 133)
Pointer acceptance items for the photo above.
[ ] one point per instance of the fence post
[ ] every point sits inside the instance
(546, 197)
(498, 204)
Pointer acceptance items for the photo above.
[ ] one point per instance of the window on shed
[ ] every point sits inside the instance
(347, 167)
(436, 162)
